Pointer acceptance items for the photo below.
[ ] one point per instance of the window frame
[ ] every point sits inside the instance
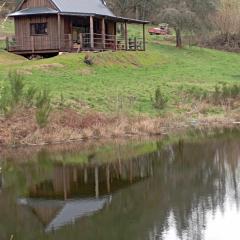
(34, 26)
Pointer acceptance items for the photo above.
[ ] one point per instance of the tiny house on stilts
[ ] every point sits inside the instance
(53, 26)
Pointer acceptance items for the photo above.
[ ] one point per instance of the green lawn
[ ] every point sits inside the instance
(127, 80)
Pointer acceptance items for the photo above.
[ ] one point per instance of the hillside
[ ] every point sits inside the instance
(129, 79)
(115, 96)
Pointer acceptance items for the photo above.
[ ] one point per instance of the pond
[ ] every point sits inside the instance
(167, 189)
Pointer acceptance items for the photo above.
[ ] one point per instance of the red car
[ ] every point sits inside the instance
(161, 30)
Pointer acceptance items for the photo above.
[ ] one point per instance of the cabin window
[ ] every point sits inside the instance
(38, 28)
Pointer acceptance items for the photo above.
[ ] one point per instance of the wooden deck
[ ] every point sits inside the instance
(34, 45)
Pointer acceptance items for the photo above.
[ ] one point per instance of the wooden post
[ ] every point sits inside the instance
(126, 37)
(32, 43)
(135, 44)
(91, 33)
(103, 34)
(80, 42)
(70, 42)
(59, 32)
(85, 175)
(108, 179)
(96, 182)
(64, 183)
(144, 38)
(7, 43)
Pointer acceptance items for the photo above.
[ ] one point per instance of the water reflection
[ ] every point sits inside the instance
(186, 190)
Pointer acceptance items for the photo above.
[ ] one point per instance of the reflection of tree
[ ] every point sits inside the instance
(188, 180)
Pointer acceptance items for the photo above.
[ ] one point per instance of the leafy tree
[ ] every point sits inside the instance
(189, 15)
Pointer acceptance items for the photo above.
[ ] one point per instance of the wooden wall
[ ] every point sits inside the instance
(37, 3)
(26, 42)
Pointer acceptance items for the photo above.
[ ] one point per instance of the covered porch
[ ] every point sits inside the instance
(100, 33)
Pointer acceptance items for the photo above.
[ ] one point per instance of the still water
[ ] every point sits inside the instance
(172, 189)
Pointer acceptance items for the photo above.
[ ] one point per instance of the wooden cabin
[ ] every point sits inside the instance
(53, 26)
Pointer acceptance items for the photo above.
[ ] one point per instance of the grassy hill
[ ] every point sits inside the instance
(126, 81)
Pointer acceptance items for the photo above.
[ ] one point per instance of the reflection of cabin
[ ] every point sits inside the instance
(75, 191)
(52, 26)
(55, 214)
(69, 182)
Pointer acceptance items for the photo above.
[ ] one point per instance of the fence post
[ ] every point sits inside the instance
(7, 43)
(135, 44)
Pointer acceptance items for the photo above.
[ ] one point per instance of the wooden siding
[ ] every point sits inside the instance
(37, 3)
(26, 42)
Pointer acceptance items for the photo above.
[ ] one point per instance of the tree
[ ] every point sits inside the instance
(189, 15)
(227, 17)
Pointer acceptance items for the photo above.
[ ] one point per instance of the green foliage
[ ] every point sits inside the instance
(43, 104)
(16, 86)
(11, 92)
(29, 96)
(159, 101)
(224, 93)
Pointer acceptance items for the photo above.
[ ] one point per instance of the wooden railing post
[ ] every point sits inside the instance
(126, 37)
(59, 32)
(80, 41)
(144, 38)
(91, 33)
(115, 42)
(103, 34)
(135, 44)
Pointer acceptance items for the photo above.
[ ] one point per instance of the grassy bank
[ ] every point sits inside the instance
(117, 92)
(126, 81)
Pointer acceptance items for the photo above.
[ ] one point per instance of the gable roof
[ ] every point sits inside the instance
(95, 7)
(33, 11)
(74, 7)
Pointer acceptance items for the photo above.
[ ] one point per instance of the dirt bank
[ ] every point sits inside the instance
(66, 126)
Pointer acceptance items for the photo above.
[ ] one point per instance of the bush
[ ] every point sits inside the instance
(29, 96)
(43, 104)
(224, 93)
(42, 115)
(159, 101)
(16, 86)
(11, 92)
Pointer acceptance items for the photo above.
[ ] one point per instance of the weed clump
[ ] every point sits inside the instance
(159, 101)
(43, 105)
(224, 93)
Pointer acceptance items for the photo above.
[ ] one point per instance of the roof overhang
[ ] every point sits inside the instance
(49, 11)
(114, 18)
(33, 11)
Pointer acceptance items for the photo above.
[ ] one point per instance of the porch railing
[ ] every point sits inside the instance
(67, 44)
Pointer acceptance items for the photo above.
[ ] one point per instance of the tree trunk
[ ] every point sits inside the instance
(178, 38)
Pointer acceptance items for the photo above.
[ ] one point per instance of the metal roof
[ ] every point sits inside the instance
(76, 8)
(95, 7)
(33, 11)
